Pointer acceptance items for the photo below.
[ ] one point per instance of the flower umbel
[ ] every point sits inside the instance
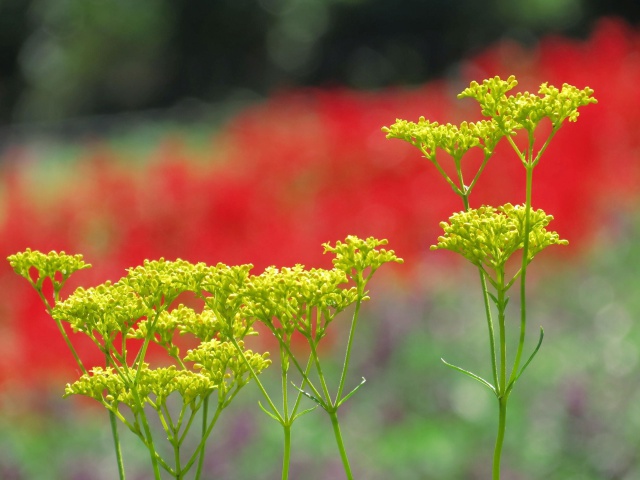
(526, 110)
(220, 291)
(453, 139)
(107, 310)
(221, 363)
(429, 137)
(488, 236)
(354, 256)
(295, 297)
(57, 266)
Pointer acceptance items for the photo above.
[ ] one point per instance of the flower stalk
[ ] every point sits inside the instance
(488, 236)
(304, 302)
(141, 308)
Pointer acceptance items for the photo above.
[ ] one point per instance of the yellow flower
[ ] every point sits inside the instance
(488, 236)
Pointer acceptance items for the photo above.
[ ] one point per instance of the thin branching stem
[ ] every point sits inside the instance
(487, 307)
(352, 329)
(338, 435)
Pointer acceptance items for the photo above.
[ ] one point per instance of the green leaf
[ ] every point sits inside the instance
(493, 297)
(303, 412)
(279, 420)
(472, 375)
(319, 402)
(345, 398)
(513, 382)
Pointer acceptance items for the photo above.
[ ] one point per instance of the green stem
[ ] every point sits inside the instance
(176, 454)
(486, 158)
(347, 356)
(303, 372)
(286, 425)
(332, 409)
(323, 382)
(192, 416)
(257, 380)
(502, 423)
(114, 434)
(492, 340)
(149, 437)
(529, 165)
(112, 416)
(284, 368)
(487, 304)
(222, 404)
(70, 345)
(286, 457)
(116, 444)
(67, 340)
(535, 161)
(205, 414)
(501, 387)
(432, 159)
(523, 275)
(305, 381)
(138, 363)
(132, 384)
(463, 188)
(343, 454)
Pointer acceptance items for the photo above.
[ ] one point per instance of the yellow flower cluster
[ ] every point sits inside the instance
(159, 282)
(354, 256)
(57, 266)
(108, 309)
(219, 362)
(112, 388)
(488, 236)
(454, 140)
(221, 285)
(139, 307)
(526, 110)
(506, 115)
(292, 295)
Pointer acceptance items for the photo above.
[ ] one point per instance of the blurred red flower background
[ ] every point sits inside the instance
(311, 166)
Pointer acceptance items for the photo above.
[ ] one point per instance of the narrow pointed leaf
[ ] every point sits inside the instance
(472, 375)
(319, 402)
(528, 361)
(493, 297)
(303, 412)
(279, 420)
(345, 398)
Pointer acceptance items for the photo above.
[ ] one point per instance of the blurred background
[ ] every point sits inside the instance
(249, 131)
